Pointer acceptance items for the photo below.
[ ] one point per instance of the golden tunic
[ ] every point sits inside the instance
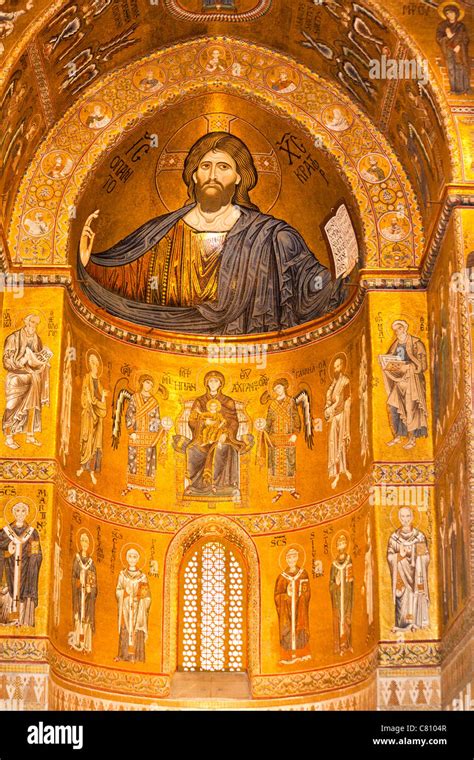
(185, 267)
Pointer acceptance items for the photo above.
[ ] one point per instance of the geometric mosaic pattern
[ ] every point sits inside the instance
(213, 611)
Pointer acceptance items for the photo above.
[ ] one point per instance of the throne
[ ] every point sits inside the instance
(219, 5)
(238, 496)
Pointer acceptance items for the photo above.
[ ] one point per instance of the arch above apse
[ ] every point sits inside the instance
(214, 526)
(440, 99)
(304, 106)
(242, 22)
(45, 72)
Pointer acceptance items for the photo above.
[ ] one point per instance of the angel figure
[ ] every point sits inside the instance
(147, 432)
(278, 436)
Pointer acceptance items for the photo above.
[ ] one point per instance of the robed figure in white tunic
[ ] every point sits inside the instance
(134, 600)
(337, 412)
(408, 558)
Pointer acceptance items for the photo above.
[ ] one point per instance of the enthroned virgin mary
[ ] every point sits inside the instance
(216, 266)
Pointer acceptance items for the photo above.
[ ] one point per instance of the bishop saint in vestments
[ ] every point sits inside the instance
(21, 558)
(408, 558)
(292, 596)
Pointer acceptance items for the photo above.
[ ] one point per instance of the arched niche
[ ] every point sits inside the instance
(210, 528)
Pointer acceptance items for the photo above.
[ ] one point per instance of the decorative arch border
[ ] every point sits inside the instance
(446, 116)
(245, 76)
(27, 40)
(201, 527)
(260, 9)
(31, 32)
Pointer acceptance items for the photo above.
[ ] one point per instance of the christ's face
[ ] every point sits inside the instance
(451, 16)
(216, 178)
(406, 517)
(213, 408)
(19, 513)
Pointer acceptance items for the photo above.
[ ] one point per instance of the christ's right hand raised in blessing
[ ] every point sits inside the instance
(87, 239)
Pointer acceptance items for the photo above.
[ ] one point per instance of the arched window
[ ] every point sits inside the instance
(212, 614)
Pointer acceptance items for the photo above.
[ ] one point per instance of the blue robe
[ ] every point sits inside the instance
(265, 282)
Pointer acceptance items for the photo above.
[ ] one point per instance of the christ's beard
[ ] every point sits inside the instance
(213, 196)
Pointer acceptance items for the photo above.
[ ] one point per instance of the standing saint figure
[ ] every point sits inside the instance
(445, 560)
(408, 558)
(337, 412)
(415, 148)
(134, 600)
(364, 402)
(66, 402)
(27, 383)
(21, 552)
(445, 372)
(436, 369)
(454, 337)
(292, 596)
(341, 588)
(404, 370)
(57, 573)
(453, 38)
(368, 587)
(84, 595)
(218, 265)
(453, 544)
(462, 513)
(279, 434)
(94, 409)
(146, 434)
